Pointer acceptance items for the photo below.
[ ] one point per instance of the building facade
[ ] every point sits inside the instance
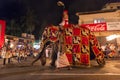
(104, 23)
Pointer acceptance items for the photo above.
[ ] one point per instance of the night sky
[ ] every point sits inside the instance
(47, 11)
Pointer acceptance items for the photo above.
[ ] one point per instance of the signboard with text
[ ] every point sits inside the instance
(113, 25)
(96, 27)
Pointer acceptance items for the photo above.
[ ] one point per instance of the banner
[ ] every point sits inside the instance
(96, 27)
(2, 32)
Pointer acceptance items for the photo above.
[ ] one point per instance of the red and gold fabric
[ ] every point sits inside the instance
(85, 46)
(85, 59)
(53, 33)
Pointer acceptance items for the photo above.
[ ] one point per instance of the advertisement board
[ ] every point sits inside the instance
(113, 25)
(96, 27)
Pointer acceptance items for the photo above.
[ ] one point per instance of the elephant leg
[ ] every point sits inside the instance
(54, 58)
(43, 58)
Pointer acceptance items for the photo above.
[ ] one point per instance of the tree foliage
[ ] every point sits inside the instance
(28, 22)
(13, 28)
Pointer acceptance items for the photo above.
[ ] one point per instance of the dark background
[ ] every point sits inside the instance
(47, 11)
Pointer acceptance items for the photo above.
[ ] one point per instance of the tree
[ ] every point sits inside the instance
(43, 25)
(13, 28)
(28, 22)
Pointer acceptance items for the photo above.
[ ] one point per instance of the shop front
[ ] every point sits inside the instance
(108, 34)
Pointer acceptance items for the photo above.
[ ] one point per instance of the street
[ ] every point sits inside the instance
(23, 71)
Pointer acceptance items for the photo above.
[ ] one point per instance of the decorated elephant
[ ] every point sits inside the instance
(78, 43)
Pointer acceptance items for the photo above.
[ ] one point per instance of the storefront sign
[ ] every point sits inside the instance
(113, 26)
(96, 27)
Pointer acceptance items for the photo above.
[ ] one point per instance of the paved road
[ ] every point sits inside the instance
(23, 71)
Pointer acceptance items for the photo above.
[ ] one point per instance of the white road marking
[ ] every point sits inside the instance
(73, 74)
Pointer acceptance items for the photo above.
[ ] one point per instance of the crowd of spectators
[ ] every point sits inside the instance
(111, 50)
(17, 50)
